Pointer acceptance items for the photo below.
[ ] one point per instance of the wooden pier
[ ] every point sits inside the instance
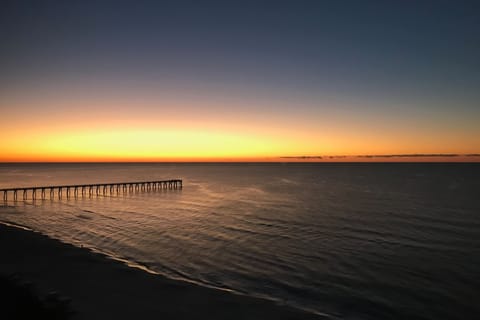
(91, 189)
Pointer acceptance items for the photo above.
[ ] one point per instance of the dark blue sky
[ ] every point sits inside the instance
(398, 46)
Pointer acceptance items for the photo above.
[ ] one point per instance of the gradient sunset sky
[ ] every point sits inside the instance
(238, 80)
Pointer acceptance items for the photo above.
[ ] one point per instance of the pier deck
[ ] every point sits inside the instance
(91, 189)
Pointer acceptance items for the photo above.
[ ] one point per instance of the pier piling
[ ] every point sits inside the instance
(90, 189)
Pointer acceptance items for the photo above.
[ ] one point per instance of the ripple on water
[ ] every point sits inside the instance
(355, 241)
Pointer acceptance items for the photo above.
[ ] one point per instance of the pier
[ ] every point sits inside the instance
(96, 189)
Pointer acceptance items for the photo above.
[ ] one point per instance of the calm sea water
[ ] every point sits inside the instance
(354, 241)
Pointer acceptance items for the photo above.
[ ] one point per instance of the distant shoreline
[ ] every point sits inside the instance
(284, 161)
(295, 158)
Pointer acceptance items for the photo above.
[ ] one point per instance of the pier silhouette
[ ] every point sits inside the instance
(91, 189)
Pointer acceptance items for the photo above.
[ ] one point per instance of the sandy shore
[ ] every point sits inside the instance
(102, 288)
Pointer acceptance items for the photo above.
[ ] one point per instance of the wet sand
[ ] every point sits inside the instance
(102, 288)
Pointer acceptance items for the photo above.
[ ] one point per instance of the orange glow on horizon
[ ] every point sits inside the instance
(190, 145)
(98, 130)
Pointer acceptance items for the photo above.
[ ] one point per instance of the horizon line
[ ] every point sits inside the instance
(359, 158)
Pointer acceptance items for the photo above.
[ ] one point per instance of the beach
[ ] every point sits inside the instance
(102, 288)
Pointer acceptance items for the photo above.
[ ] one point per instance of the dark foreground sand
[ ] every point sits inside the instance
(102, 288)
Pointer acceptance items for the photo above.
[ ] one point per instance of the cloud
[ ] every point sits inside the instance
(372, 156)
(415, 155)
(336, 157)
(302, 157)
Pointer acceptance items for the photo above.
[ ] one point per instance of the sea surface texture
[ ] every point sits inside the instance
(353, 241)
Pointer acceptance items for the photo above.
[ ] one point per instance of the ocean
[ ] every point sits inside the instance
(349, 240)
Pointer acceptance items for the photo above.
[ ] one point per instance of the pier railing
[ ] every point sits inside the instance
(91, 189)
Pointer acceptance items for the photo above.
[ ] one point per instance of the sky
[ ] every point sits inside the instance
(239, 80)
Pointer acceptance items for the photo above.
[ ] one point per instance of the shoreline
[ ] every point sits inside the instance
(101, 286)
